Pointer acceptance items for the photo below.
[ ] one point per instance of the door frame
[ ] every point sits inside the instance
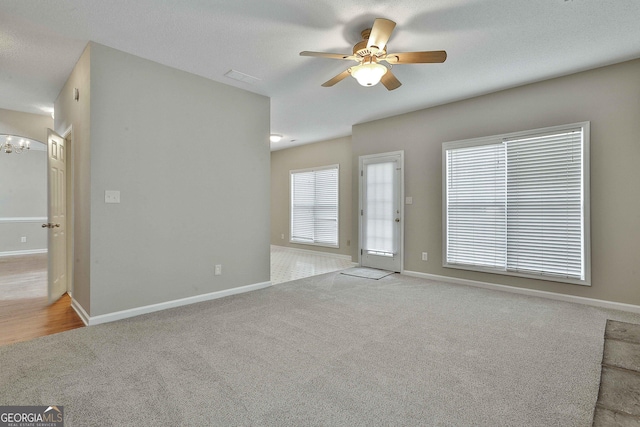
(67, 135)
(361, 160)
(69, 188)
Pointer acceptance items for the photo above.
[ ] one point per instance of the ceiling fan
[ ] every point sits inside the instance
(370, 51)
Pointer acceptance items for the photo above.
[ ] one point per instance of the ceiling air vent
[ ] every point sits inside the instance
(241, 77)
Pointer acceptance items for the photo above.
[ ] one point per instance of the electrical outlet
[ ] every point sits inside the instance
(23, 239)
(282, 236)
(111, 196)
(218, 271)
(425, 256)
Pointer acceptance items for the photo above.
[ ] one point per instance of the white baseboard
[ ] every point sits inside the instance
(25, 252)
(78, 309)
(312, 252)
(531, 292)
(124, 314)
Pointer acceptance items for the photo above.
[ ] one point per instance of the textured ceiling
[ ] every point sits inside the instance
(491, 45)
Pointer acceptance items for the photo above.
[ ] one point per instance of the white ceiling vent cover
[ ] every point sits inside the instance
(242, 77)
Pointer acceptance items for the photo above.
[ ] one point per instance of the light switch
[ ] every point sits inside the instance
(408, 200)
(111, 196)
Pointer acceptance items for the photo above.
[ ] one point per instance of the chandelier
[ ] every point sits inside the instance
(11, 146)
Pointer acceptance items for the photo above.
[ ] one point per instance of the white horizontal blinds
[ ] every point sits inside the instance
(524, 214)
(326, 207)
(302, 206)
(544, 193)
(314, 206)
(380, 208)
(476, 217)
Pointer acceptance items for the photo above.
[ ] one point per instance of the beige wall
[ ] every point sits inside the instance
(32, 126)
(335, 151)
(74, 117)
(190, 158)
(23, 192)
(608, 97)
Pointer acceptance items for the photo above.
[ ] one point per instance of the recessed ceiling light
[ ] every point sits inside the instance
(274, 137)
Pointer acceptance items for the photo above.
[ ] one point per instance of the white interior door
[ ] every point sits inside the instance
(57, 206)
(381, 211)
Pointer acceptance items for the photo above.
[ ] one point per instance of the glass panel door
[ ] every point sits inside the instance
(381, 211)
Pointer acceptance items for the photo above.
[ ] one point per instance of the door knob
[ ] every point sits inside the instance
(397, 219)
(45, 225)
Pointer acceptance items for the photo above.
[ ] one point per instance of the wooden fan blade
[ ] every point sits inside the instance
(346, 73)
(390, 81)
(417, 57)
(380, 33)
(328, 55)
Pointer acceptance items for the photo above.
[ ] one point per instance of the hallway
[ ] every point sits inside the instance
(24, 309)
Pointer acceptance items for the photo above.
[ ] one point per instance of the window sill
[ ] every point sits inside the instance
(550, 278)
(323, 245)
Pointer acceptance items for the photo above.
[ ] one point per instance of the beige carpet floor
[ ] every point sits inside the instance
(331, 350)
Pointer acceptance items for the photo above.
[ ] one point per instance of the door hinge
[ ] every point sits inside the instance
(361, 252)
(361, 212)
(361, 173)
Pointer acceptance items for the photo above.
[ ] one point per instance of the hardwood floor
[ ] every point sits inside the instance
(25, 312)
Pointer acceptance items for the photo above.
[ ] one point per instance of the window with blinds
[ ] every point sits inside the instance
(518, 204)
(314, 206)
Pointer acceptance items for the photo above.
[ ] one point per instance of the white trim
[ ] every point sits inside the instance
(69, 196)
(10, 220)
(584, 127)
(530, 292)
(489, 139)
(308, 251)
(132, 312)
(25, 252)
(361, 160)
(315, 169)
(321, 245)
(80, 311)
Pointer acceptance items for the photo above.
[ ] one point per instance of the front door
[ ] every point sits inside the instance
(381, 213)
(57, 207)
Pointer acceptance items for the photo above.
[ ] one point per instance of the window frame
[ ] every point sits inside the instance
(315, 169)
(586, 200)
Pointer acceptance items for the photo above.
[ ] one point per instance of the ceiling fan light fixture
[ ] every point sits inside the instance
(368, 74)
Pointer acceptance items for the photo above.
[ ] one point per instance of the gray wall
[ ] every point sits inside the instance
(335, 151)
(191, 160)
(23, 192)
(608, 97)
